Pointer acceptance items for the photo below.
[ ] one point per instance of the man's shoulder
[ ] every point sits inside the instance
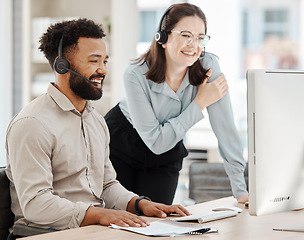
(34, 107)
(34, 111)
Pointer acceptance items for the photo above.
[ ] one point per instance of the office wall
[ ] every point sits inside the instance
(6, 74)
(124, 37)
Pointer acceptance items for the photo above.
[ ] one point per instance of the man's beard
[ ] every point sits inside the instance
(85, 89)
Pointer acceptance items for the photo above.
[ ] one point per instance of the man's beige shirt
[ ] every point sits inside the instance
(58, 163)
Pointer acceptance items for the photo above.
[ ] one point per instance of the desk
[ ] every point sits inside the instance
(241, 227)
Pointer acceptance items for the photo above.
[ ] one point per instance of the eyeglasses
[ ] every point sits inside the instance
(187, 38)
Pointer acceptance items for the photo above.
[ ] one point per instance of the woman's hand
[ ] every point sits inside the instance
(243, 198)
(209, 93)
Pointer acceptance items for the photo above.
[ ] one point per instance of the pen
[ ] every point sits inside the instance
(200, 231)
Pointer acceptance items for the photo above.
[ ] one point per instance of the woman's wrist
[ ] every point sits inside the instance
(199, 103)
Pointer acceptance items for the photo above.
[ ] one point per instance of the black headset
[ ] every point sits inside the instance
(161, 36)
(61, 65)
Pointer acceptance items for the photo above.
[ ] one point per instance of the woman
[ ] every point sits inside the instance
(166, 90)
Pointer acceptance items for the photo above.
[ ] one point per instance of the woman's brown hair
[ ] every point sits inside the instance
(155, 56)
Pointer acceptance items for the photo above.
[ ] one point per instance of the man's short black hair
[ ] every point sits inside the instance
(71, 32)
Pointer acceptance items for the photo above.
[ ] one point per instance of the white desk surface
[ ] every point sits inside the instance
(241, 227)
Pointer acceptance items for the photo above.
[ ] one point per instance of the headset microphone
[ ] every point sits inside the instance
(70, 70)
(61, 65)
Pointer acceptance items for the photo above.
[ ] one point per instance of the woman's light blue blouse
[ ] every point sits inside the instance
(162, 117)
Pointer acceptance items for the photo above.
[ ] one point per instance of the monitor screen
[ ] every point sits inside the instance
(275, 116)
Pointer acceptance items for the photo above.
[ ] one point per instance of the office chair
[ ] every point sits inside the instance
(7, 216)
(209, 181)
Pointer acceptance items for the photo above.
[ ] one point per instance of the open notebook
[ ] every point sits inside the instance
(177, 227)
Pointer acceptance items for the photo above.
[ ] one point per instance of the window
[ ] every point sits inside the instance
(147, 26)
(244, 28)
(276, 23)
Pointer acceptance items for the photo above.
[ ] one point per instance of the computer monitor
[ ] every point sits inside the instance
(275, 116)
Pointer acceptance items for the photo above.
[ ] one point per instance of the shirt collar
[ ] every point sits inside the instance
(165, 89)
(185, 82)
(63, 102)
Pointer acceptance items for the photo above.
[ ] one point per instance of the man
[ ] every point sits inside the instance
(58, 146)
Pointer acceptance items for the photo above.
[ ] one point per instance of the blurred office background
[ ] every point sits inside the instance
(245, 34)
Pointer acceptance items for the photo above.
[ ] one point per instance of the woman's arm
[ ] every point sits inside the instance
(159, 116)
(222, 122)
(145, 103)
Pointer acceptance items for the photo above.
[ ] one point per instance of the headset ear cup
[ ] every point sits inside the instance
(61, 65)
(161, 37)
(157, 36)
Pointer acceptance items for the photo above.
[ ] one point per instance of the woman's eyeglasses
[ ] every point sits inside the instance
(187, 38)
